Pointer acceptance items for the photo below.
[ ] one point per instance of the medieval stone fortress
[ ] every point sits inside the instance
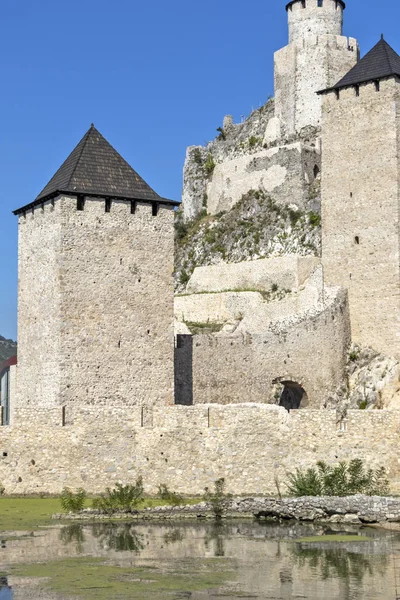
(280, 344)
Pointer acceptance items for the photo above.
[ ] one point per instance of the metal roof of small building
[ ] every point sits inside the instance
(294, 1)
(94, 168)
(379, 63)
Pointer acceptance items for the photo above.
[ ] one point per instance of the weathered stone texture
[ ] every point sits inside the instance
(316, 57)
(95, 305)
(190, 447)
(304, 67)
(245, 364)
(360, 216)
(283, 172)
(312, 19)
(287, 272)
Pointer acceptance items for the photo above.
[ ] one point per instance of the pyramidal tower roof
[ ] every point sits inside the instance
(380, 62)
(94, 168)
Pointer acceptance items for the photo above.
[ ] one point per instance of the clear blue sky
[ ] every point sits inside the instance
(154, 77)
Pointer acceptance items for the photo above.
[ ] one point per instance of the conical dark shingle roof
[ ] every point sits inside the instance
(380, 62)
(95, 168)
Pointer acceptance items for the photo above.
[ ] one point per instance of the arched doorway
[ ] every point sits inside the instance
(293, 396)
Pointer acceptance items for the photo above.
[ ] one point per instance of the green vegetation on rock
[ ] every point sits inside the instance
(256, 227)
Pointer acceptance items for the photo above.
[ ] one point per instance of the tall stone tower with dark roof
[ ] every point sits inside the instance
(360, 195)
(315, 58)
(95, 289)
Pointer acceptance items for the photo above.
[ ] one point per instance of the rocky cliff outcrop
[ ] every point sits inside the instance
(8, 348)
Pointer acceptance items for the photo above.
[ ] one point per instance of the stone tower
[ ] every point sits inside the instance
(360, 195)
(315, 58)
(95, 307)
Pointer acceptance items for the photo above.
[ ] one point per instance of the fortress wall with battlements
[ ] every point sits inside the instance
(190, 447)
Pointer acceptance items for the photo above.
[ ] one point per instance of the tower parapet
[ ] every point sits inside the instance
(314, 17)
(316, 57)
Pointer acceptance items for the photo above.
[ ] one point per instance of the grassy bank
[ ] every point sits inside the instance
(21, 514)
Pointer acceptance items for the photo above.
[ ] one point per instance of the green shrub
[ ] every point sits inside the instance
(253, 141)
(294, 216)
(344, 479)
(123, 498)
(164, 493)
(197, 157)
(184, 277)
(210, 164)
(222, 134)
(353, 356)
(2, 489)
(314, 219)
(218, 499)
(73, 502)
(274, 287)
(363, 405)
(181, 230)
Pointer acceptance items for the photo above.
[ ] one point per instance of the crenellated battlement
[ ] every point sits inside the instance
(317, 56)
(314, 17)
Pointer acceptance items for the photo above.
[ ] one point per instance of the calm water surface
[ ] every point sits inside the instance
(199, 561)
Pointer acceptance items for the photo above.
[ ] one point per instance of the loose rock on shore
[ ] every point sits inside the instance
(352, 509)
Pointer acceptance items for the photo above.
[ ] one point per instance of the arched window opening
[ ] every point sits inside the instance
(293, 396)
(316, 171)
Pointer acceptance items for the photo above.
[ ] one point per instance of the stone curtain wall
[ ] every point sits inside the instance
(360, 209)
(287, 272)
(95, 306)
(190, 447)
(282, 172)
(230, 368)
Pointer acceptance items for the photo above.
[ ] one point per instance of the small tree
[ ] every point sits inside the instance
(218, 499)
(170, 497)
(73, 502)
(122, 497)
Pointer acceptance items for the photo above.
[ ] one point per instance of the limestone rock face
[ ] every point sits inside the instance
(374, 380)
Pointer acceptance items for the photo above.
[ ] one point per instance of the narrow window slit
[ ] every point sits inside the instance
(154, 209)
(108, 205)
(80, 203)
(377, 86)
(357, 240)
(133, 206)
